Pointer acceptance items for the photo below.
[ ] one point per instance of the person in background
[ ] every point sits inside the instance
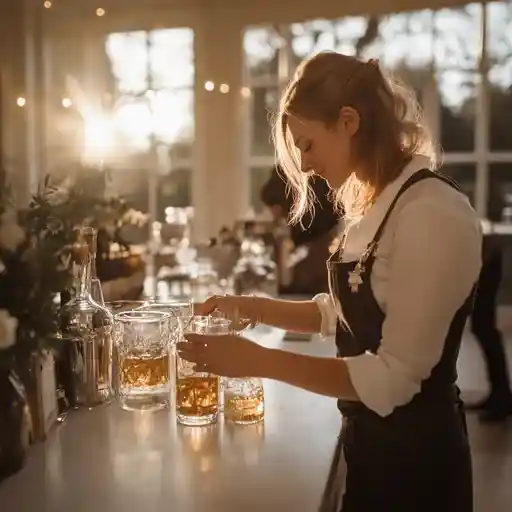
(315, 233)
(402, 282)
(498, 405)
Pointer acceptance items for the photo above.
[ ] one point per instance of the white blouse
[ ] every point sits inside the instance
(427, 261)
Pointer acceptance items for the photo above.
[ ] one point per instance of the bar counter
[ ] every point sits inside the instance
(109, 460)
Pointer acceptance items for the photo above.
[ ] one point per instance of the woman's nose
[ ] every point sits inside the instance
(306, 166)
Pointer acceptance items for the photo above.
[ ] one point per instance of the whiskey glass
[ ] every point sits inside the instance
(198, 394)
(143, 340)
(244, 400)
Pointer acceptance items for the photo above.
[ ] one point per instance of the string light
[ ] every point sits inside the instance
(209, 85)
(47, 4)
(246, 92)
(224, 88)
(100, 12)
(66, 102)
(21, 102)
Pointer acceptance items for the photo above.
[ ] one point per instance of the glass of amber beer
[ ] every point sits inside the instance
(143, 340)
(198, 394)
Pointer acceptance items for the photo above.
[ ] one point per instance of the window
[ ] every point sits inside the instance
(264, 105)
(153, 110)
(262, 47)
(499, 43)
(462, 105)
(464, 175)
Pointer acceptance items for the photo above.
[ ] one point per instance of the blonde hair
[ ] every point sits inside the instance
(391, 129)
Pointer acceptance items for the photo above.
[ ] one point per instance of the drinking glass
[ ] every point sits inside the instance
(181, 307)
(198, 393)
(244, 400)
(143, 340)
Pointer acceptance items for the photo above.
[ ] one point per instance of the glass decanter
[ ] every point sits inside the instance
(91, 237)
(87, 328)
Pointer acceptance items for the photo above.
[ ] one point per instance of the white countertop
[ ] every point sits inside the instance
(109, 460)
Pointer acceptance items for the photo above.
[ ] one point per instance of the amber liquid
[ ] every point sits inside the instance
(197, 396)
(144, 371)
(244, 409)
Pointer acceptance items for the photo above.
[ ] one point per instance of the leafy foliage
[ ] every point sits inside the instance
(37, 270)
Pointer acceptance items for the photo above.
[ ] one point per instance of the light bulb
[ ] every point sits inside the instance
(21, 102)
(224, 88)
(209, 85)
(47, 4)
(100, 12)
(66, 102)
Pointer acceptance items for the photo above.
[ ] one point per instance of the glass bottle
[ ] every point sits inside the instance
(244, 400)
(87, 328)
(91, 237)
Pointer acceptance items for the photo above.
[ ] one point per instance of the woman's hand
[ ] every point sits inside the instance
(239, 309)
(225, 355)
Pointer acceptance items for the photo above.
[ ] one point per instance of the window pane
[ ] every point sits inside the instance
(457, 53)
(499, 203)
(464, 175)
(499, 44)
(129, 60)
(314, 36)
(457, 91)
(132, 122)
(264, 105)
(457, 37)
(172, 58)
(174, 116)
(261, 51)
(391, 38)
(259, 176)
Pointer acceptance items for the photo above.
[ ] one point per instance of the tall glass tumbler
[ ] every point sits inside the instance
(198, 393)
(143, 340)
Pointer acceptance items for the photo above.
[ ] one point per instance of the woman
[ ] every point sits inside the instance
(401, 286)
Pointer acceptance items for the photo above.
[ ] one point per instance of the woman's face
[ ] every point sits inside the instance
(327, 151)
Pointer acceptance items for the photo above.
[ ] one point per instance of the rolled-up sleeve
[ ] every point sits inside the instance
(433, 265)
(328, 312)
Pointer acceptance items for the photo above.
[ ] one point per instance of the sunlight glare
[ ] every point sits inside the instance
(98, 137)
(134, 122)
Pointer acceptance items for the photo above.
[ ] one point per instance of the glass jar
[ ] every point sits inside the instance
(86, 326)
(244, 401)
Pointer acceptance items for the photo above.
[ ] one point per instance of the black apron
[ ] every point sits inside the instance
(417, 459)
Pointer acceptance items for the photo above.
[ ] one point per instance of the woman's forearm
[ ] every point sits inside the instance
(322, 375)
(296, 316)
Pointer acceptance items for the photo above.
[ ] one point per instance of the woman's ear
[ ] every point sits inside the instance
(349, 120)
